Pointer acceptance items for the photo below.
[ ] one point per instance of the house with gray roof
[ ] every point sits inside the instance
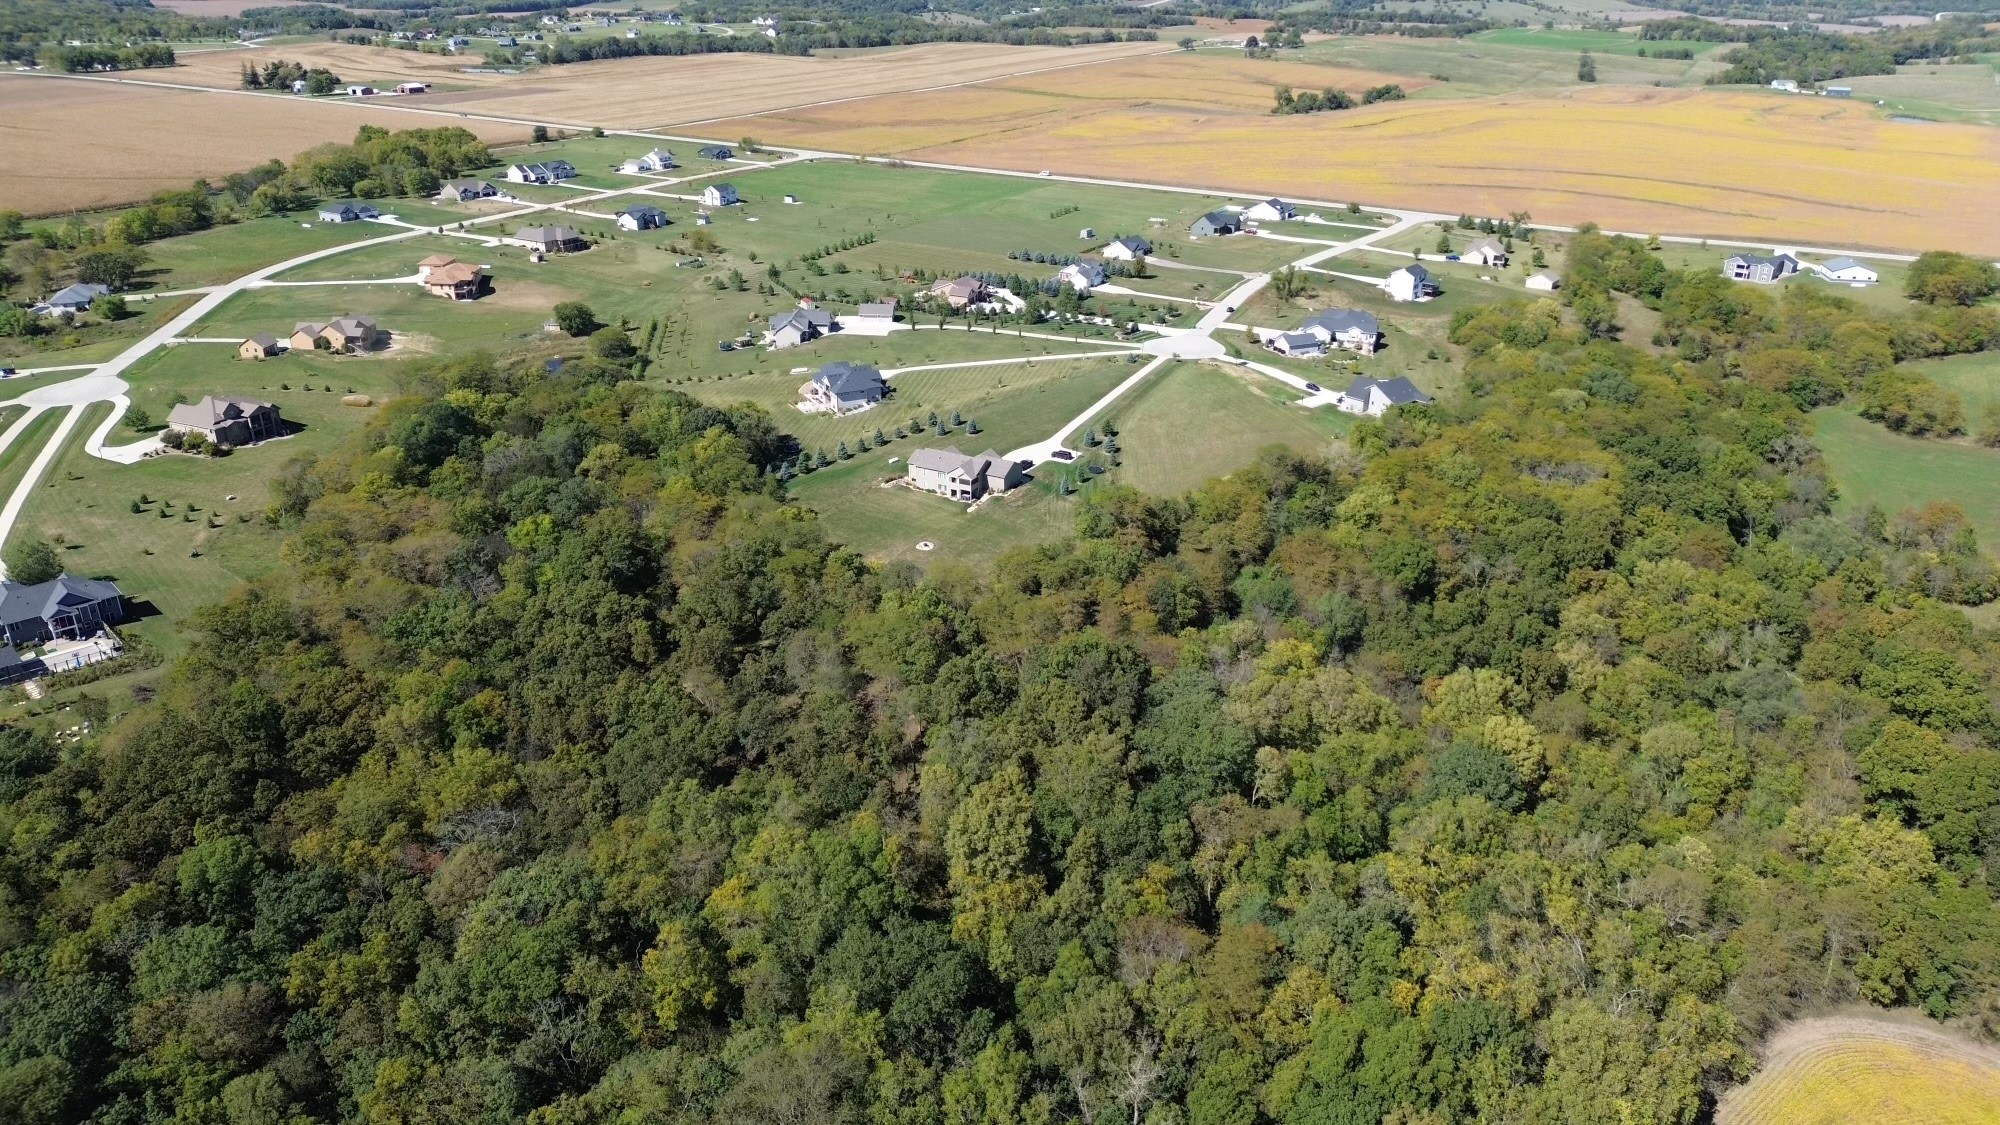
(1083, 275)
(720, 195)
(1298, 345)
(347, 211)
(541, 172)
(1271, 211)
(1374, 397)
(797, 326)
(463, 191)
(877, 310)
(72, 299)
(842, 387)
(642, 216)
(1215, 223)
(1127, 248)
(716, 152)
(1758, 268)
(1485, 252)
(1353, 329)
(658, 160)
(953, 475)
(63, 608)
(552, 240)
(227, 420)
(1410, 283)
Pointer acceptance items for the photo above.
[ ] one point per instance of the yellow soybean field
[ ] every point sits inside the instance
(1852, 1071)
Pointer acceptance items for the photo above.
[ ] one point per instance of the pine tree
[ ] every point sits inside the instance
(879, 439)
(843, 452)
(972, 426)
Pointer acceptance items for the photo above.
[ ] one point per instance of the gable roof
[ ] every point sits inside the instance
(937, 460)
(1838, 264)
(803, 319)
(1762, 259)
(1415, 270)
(81, 294)
(1546, 275)
(348, 326)
(1487, 244)
(436, 260)
(1399, 391)
(1133, 243)
(878, 308)
(210, 411)
(1220, 219)
(1298, 341)
(1338, 321)
(548, 234)
(644, 211)
(45, 599)
(263, 340)
(845, 379)
(457, 273)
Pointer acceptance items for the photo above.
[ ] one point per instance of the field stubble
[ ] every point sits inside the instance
(1837, 1070)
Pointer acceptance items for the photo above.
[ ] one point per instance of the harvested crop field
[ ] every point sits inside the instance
(662, 91)
(1836, 1071)
(76, 144)
(1682, 161)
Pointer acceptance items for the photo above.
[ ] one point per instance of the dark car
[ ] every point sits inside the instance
(1063, 455)
(1313, 387)
(725, 346)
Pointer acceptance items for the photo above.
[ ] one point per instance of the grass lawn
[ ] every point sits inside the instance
(175, 562)
(93, 342)
(1013, 403)
(1191, 422)
(1874, 466)
(886, 523)
(1575, 41)
(228, 252)
(1975, 377)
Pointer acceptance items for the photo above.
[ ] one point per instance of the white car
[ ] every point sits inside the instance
(1045, 172)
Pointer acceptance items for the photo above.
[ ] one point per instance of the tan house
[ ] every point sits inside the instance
(261, 346)
(459, 281)
(960, 292)
(552, 240)
(342, 336)
(227, 421)
(955, 476)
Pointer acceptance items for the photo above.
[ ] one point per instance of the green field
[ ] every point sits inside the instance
(1875, 466)
(1166, 451)
(227, 252)
(1574, 41)
(886, 523)
(1975, 377)
(1475, 67)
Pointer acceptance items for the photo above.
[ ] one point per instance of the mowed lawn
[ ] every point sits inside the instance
(1013, 403)
(1975, 377)
(227, 252)
(1189, 423)
(203, 530)
(886, 521)
(1874, 466)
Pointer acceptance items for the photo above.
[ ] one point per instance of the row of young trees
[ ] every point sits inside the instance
(1524, 760)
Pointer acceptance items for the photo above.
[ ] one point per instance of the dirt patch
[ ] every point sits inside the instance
(77, 144)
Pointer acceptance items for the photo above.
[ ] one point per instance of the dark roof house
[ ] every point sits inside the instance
(1215, 223)
(842, 386)
(64, 607)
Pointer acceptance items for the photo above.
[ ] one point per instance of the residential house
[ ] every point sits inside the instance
(1127, 248)
(361, 91)
(63, 608)
(878, 310)
(1352, 329)
(1083, 276)
(72, 299)
(1411, 283)
(457, 281)
(431, 262)
(342, 335)
(458, 42)
(764, 21)
(263, 345)
(953, 475)
(796, 326)
(1547, 281)
(1787, 85)
(460, 191)
(658, 160)
(642, 216)
(720, 195)
(227, 421)
(716, 152)
(1758, 268)
(347, 211)
(1849, 271)
(843, 387)
(1485, 252)
(412, 88)
(1215, 223)
(545, 172)
(1271, 211)
(552, 240)
(959, 292)
(1838, 91)
(1374, 397)
(504, 41)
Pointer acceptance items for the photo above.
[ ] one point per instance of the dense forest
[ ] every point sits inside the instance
(1522, 761)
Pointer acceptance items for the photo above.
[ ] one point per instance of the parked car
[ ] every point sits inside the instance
(1063, 455)
(1313, 387)
(1451, 257)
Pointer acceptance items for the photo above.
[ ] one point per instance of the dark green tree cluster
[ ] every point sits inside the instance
(1524, 763)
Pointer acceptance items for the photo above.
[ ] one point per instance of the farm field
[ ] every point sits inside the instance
(661, 91)
(1962, 92)
(1623, 157)
(1872, 465)
(1573, 41)
(77, 145)
(1472, 67)
(1835, 1070)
